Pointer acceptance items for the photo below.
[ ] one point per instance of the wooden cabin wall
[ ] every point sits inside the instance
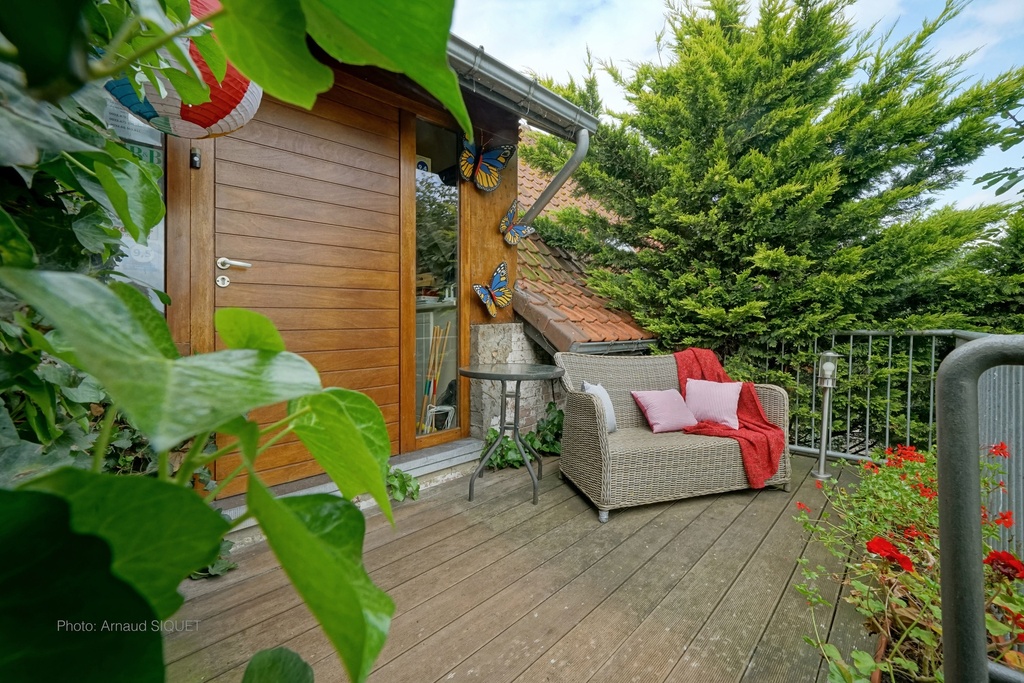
(314, 200)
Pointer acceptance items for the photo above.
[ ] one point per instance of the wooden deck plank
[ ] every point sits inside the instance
(522, 644)
(653, 650)
(434, 656)
(782, 655)
(578, 655)
(500, 590)
(721, 649)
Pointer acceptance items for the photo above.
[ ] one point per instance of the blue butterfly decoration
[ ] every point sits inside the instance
(484, 167)
(499, 293)
(513, 233)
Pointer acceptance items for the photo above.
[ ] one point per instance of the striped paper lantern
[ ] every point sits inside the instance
(233, 101)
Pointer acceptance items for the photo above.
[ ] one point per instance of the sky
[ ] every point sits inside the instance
(551, 37)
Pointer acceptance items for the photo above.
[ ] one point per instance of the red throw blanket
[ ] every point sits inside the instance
(761, 442)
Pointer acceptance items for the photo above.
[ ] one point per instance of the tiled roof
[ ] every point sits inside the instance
(551, 292)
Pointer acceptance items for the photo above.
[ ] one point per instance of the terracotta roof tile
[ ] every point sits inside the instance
(551, 293)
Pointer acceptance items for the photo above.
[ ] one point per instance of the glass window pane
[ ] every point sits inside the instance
(437, 271)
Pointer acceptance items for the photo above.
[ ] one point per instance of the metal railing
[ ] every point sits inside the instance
(886, 392)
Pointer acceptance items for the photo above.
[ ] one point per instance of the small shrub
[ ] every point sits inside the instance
(402, 485)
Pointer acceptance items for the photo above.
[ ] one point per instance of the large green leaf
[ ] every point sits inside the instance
(242, 329)
(15, 249)
(346, 433)
(408, 37)
(51, 44)
(158, 532)
(29, 127)
(63, 614)
(168, 400)
(266, 41)
(149, 319)
(134, 195)
(279, 665)
(318, 540)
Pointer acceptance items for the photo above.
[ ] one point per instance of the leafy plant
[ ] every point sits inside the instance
(91, 377)
(546, 439)
(885, 531)
(402, 485)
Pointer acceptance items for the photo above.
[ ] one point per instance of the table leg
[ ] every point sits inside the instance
(479, 472)
(519, 445)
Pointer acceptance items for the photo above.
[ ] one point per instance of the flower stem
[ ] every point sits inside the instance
(223, 482)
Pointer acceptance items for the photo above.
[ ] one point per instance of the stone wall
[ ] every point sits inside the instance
(506, 343)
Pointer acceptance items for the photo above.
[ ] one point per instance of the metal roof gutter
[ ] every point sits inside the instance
(500, 84)
(611, 347)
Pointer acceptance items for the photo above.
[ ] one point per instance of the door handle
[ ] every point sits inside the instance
(225, 263)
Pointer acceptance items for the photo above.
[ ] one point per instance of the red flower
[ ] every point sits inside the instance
(984, 514)
(800, 506)
(911, 532)
(817, 484)
(887, 551)
(871, 467)
(1006, 564)
(1005, 518)
(999, 450)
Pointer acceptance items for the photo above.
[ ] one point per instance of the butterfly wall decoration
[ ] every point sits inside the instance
(512, 232)
(499, 293)
(484, 166)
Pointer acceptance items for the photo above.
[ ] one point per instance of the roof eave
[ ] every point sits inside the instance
(493, 80)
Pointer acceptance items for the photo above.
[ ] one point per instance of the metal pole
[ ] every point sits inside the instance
(826, 434)
(964, 638)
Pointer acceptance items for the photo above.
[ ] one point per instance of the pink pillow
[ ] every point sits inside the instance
(665, 411)
(714, 401)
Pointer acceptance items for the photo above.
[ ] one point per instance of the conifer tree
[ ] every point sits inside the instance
(777, 177)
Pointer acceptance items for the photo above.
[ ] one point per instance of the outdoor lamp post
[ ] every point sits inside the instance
(827, 381)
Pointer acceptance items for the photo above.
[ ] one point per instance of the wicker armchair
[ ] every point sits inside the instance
(633, 465)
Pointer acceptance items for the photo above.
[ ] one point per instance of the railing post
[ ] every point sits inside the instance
(964, 638)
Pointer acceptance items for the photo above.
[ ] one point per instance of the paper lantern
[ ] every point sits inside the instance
(233, 101)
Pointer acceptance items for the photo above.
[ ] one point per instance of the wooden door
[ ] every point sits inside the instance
(311, 200)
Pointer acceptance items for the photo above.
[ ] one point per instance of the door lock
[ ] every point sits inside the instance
(223, 281)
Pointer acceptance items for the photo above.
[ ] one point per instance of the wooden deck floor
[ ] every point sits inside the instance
(500, 590)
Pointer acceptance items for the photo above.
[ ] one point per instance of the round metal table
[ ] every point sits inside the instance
(505, 373)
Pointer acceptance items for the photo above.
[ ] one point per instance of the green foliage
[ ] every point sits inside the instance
(776, 179)
(277, 664)
(547, 439)
(1009, 176)
(402, 485)
(884, 529)
(89, 365)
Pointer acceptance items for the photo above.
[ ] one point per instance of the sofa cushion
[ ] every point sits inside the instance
(714, 401)
(665, 410)
(602, 394)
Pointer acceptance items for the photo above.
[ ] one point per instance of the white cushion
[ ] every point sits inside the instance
(606, 400)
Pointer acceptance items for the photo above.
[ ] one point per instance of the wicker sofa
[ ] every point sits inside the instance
(633, 465)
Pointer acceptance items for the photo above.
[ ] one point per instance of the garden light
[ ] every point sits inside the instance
(827, 364)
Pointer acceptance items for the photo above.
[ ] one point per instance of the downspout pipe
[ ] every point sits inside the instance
(582, 145)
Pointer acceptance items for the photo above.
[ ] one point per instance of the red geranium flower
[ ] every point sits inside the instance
(817, 484)
(871, 467)
(1006, 564)
(926, 492)
(1005, 518)
(912, 532)
(999, 450)
(802, 507)
(984, 514)
(888, 551)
